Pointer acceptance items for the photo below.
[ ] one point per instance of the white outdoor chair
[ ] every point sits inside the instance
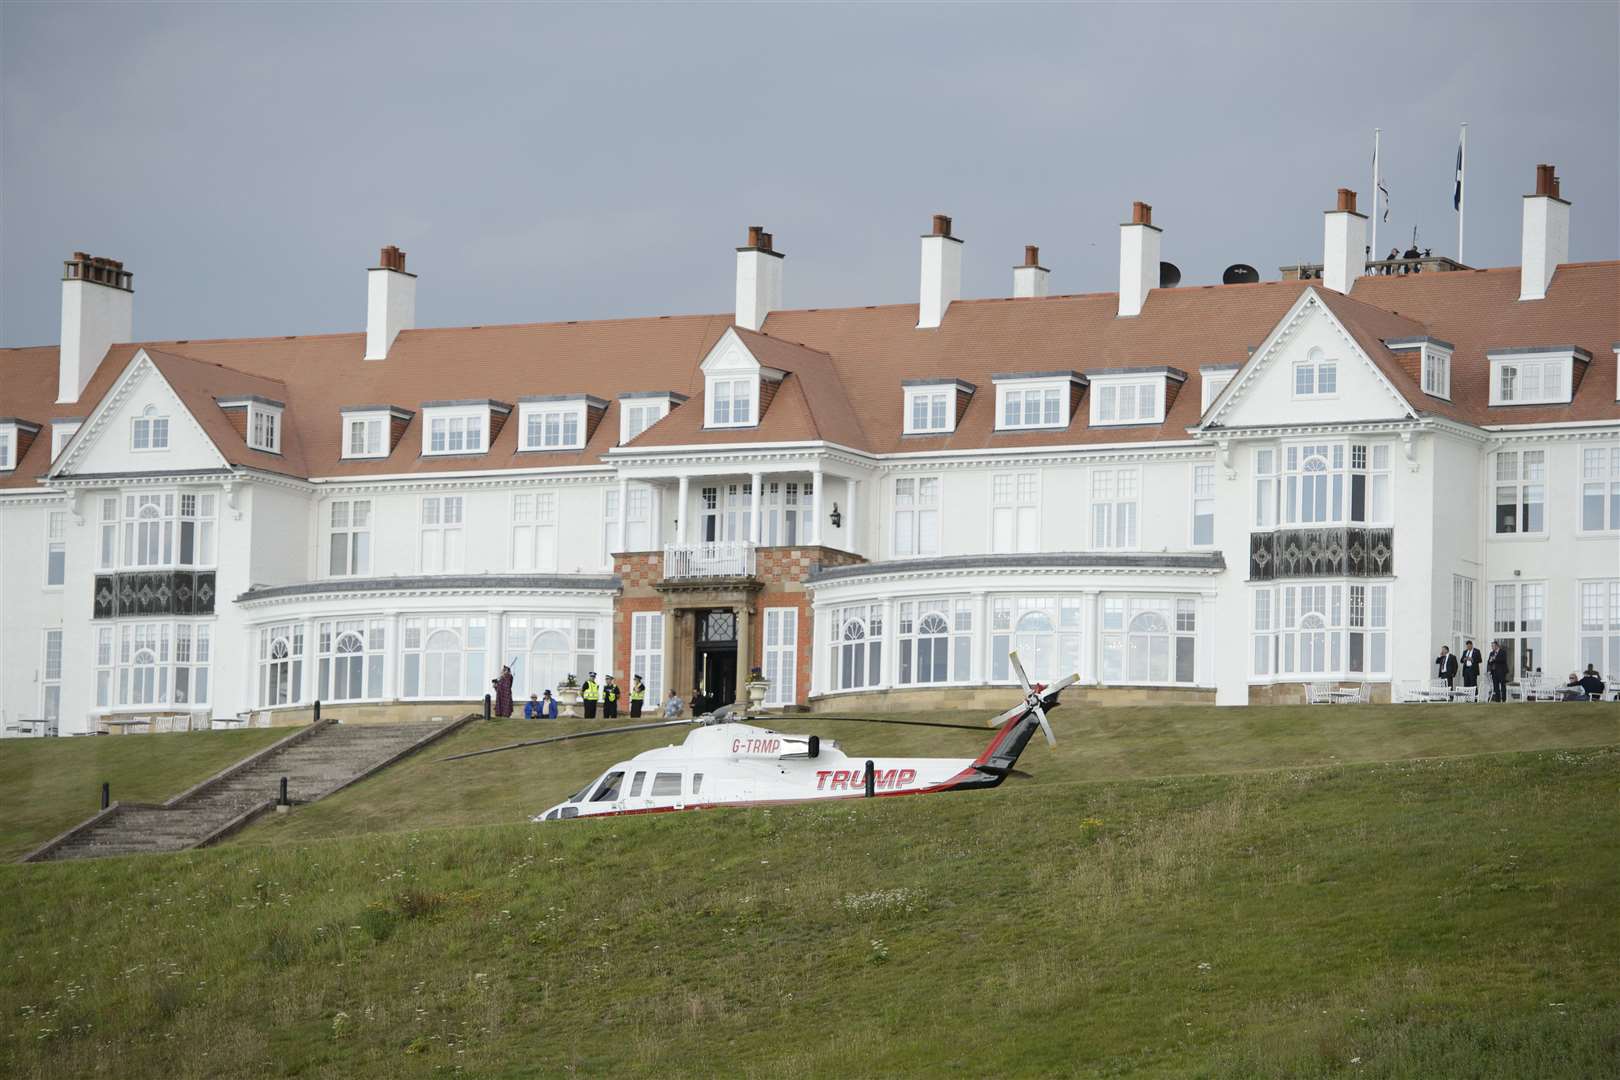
(1466, 693)
(1411, 690)
(1317, 694)
(1364, 694)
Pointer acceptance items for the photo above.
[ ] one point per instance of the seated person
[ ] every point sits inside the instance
(531, 708)
(1592, 683)
(674, 706)
(1572, 690)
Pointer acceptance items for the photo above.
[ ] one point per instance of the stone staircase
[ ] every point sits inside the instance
(317, 761)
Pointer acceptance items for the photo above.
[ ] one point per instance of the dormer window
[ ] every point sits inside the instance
(372, 431)
(641, 410)
(1431, 367)
(557, 421)
(264, 427)
(62, 432)
(1535, 376)
(460, 427)
(932, 405)
(8, 447)
(731, 402)
(1214, 380)
(1316, 375)
(1043, 399)
(149, 431)
(1123, 396)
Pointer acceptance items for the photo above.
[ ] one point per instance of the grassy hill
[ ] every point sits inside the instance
(1286, 913)
(49, 785)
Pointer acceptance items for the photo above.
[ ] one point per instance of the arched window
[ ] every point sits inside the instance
(1151, 640)
(857, 647)
(550, 654)
(351, 659)
(1313, 637)
(1316, 375)
(1044, 631)
(279, 687)
(1036, 645)
(441, 664)
(1147, 648)
(852, 659)
(144, 678)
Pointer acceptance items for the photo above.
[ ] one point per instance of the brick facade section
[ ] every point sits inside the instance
(781, 573)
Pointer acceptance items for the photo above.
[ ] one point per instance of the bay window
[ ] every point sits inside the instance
(1521, 492)
(145, 664)
(1149, 639)
(443, 656)
(1326, 630)
(857, 647)
(1322, 483)
(350, 658)
(935, 641)
(1045, 631)
(281, 665)
(545, 649)
(1265, 487)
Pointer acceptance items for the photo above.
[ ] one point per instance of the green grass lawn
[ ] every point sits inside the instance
(1404, 892)
(49, 785)
(1093, 744)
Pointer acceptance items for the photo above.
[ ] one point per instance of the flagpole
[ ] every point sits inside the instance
(1462, 195)
(1374, 244)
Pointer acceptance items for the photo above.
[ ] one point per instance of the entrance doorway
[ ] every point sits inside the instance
(714, 664)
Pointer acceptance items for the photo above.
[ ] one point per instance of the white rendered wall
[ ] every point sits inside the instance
(1344, 249)
(1544, 243)
(940, 281)
(1138, 266)
(759, 286)
(1267, 395)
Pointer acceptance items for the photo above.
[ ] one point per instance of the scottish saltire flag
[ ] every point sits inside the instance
(1456, 195)
(1385, 192)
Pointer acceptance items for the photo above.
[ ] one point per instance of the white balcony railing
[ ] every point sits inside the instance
(719, 558)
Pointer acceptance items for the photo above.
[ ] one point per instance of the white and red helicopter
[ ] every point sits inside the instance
(727, 763)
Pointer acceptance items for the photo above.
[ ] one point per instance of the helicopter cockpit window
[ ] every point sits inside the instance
(579, 796)
(552, 816)
(635, 785)
(697, 782)
(666, 784)
(609, 789)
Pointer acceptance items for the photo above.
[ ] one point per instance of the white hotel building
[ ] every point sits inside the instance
(1204, 493)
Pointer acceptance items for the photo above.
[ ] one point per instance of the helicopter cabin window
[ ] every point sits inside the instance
(666, 785)
(609, 789)
(697, 782)
(570, 811)
(635, 785)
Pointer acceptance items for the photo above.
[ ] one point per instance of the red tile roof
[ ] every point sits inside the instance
(844, 366)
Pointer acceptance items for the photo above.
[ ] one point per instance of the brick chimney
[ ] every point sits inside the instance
(759, 278)
(1546, 235)
(390, 302)
(1030, 278)
(1139, 243)
(1344, 243)
(98, 310)
(941, 278)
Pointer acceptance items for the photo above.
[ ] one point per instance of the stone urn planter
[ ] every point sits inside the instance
(568, 703)
(757, 688)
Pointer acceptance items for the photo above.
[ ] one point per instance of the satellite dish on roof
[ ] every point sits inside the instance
(1240, 274)
(1169, 275)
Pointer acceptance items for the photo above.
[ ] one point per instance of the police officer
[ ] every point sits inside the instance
(638, 695)
(610, 699)
(590, 695)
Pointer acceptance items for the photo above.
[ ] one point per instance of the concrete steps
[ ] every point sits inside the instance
(315, 761)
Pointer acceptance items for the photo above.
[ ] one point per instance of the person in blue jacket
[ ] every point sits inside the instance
(540, 708)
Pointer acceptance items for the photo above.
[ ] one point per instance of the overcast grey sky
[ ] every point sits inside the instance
(246, 162)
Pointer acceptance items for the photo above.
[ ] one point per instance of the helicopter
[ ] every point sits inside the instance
(726, 762)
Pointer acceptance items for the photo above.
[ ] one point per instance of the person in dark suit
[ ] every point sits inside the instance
(1445, 666)
(1496, 665)
(1470, 661)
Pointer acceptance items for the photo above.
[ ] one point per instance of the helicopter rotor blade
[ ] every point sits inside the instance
(574, 735)
(880, 720)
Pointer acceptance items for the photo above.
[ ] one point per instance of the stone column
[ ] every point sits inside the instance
(393, 661)
(624, 513)
(816, 479)
(755, 500)
(745, 653)
(681, 513)
(1091, 640)
(671, 674)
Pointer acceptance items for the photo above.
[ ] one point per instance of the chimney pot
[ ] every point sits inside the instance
(754, 233)
(767, 241)
(1546, 180)
(1347, 200)
(1032, 255)
(942, 225)
(1141, 213)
